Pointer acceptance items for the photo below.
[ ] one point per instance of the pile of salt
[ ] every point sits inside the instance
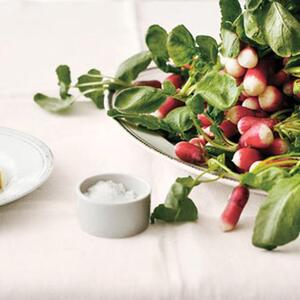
(109, 191)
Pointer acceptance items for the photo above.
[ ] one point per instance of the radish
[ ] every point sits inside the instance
(235, 113)
(247, 122)
(269, 65)
(278, 147)
(261, 114)
(242, 97)
(187, 67)
(271, 99)
(205, 121)
(233, 68)
(153, 83)
(248, 58)
(176, 80)
(279, 78)
(296, 89)
(258, 136)
(285, 61)
(255, 81)
(239, 81)
(254, 165)
(189, 152)
(244, 94)
(167, 106)
(236, 203)
(208, 132)
(229, 129)
(251, 103)
(245, 157)
(288, 88)
(198, 141)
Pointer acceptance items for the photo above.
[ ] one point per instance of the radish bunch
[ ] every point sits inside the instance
(263, 93)
(250, 123)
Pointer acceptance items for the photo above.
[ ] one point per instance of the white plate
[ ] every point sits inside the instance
(25, 161)
(157, 144)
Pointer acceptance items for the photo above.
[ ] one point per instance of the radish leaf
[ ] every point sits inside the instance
(91, 86)
(218, 90)
(181, 45)
(178, 207)
(139, 99)
(278, 219)
(230, 10)
(53, 104)
(282, 30)
(133, 66)
(208, 48)
(179, 120)
(64, 80)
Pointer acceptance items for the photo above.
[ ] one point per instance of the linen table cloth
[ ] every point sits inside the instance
(43, 252)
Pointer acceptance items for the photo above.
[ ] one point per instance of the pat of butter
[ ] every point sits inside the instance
(1, 181)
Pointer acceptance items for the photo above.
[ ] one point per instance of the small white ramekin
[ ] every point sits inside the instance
(118, 219)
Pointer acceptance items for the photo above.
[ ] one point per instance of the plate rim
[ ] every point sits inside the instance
(108, 104)
(45, 152)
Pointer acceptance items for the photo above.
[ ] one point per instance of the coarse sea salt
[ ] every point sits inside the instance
(110, 191)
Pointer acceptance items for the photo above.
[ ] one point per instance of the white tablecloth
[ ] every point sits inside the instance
(43, 252)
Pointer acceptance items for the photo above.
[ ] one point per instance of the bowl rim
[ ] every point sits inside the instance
(142, 197)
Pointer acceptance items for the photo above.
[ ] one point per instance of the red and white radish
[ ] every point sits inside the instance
(189, 152)
(251, 103)
(152, 83)
(271, 99)
(288, 88)
(244, 94)
(235, 113)
(269, 65)
(245, 157)
(296, 89)
(198, 141)
(186, 67)
(285, 61)
(229, 129)
(278, 147)
(205, 121)
(254, 165)
(208, 132)
(239, 81)
(176, 80)
(167, 106)
(247, 122)
(255, 81)
(259, 136)
(236, 203)
(279, 78)
(233, 68)
(242, 97)
(248, 58)
(261, 114)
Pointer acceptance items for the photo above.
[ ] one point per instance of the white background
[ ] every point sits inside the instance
(43, 253)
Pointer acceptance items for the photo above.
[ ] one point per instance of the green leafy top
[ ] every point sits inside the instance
(265, 24)
(64, 80)
(218, 90)
(230, 10)
(278, 219)
(181, 45)
(133, 66)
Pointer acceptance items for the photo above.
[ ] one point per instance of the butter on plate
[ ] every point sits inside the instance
(1, 181)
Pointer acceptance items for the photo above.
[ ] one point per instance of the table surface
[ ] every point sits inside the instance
(43, 252)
